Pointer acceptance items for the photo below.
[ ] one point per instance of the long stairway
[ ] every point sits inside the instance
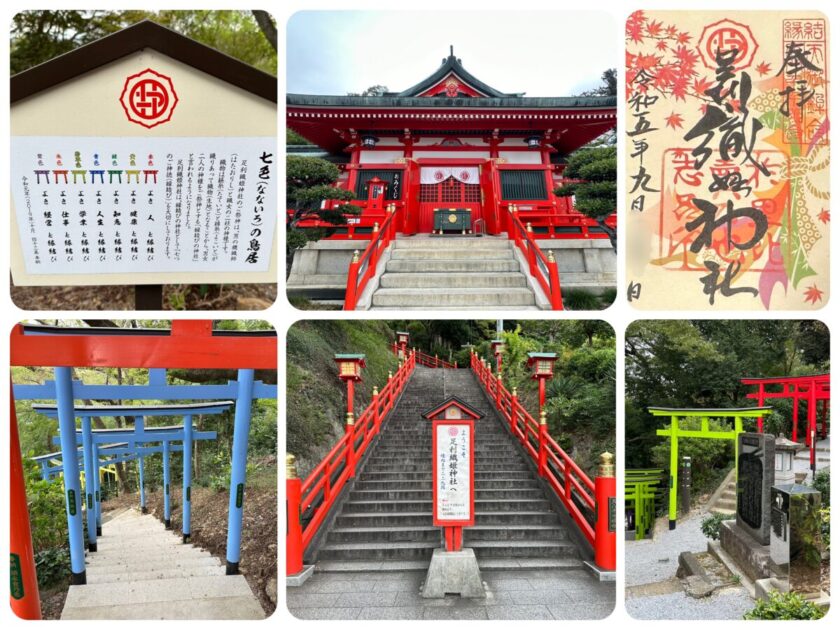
(386, 523)
(142, 571)
(448, 272)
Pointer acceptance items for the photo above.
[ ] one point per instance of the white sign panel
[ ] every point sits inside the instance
(94, 205)
(453, 472)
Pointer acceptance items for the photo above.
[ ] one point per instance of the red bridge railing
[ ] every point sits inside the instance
(541, 266)
(309, 501)
(571, 484)
(426, 360)
(363, 268)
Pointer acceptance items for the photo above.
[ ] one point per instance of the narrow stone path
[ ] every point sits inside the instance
(143, 571)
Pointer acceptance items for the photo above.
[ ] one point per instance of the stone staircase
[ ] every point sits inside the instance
(386, 522)
(802, 461)
(449, 272)
(142, 571)
(725, 500)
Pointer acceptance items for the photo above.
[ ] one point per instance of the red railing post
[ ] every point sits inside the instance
(499, 391)
(375, 405)
(554, 283)
(294, 530)
(350, 297)
(542, 464)
(514, 403)
(349, 434)
(605, 514)
(24, 598)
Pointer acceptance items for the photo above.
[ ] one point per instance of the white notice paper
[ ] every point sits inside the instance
(95, 205)
(453, 472)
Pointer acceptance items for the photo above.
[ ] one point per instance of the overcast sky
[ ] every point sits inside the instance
(539, 53)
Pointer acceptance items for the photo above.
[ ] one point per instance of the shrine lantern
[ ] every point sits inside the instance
(350, 371)
(785, 451)
(402, 342)
(369, 141)
(497, 345)
(533, 142)
(542, 364)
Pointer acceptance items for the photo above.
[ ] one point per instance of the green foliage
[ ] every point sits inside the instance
(784, 606)
(47, 515)
(581, 300)
(38, 36)
(293, 137)
(52, 566)
(825, 527)
(822, 482)
(707, 456)
(596, 195)
(711, 525)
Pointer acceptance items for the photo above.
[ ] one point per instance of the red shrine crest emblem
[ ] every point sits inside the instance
(148, 98)
(725, 36)
(452, 88)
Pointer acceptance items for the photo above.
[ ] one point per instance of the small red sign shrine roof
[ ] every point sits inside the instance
(453, 401)
(145, 34)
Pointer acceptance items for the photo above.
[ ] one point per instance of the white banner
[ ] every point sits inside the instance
(453, 472)
(438, 174)
(105, 205)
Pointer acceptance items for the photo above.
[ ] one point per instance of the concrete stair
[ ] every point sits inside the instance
(386, 522)
(453, 272)
(142, 571)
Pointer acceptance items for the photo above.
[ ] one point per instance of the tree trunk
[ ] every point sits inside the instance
(267, 27)
(611, 233)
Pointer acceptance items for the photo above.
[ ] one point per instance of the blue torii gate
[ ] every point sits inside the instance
(64, 390)
(90, 438)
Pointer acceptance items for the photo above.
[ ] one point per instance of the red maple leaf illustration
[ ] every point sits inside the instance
(762, 68)
(683, 38)
(654, 28)
(686, 56)
(662, 44)
(674, 121)
(646, 62)
(824, 216)
(664, 76)
(813, 294)
(680, 87)
(671, 30)
(633, 28)
(701, 85)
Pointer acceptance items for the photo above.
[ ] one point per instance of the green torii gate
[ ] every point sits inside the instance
(674, 432)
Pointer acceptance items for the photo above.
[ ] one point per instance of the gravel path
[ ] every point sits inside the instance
(730, 604)
(649, 561)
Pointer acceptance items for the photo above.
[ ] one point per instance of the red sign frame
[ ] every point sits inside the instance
(435, 520)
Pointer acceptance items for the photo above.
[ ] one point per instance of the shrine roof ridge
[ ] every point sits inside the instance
(732, 411)
(144, 34)
(520, 102)
(452, 65)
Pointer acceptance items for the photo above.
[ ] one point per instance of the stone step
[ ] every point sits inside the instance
(155, 574)
(426, 476)
(488, 505)
(423, 550)
(155, 563)
(452, 242)
(452, 280)
(420, 519)
(727, 504)
(725, 512)
(424, 495)
(485, 564)
(199, 588)
(429, 533)
(466, 265)
(470, 253)
(217, 608)
(523, 548)
(480, 484)
(447, 298)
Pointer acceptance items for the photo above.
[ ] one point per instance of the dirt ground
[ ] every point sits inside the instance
(52, 600)
(226, 297)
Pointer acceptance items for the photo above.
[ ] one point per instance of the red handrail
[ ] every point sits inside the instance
(561, 472)
(363, 268)
(314, 497)
(426, 360)
(541, 266)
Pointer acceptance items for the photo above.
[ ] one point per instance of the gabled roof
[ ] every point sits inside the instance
(145, 34)
(471, 411)
(451, 65)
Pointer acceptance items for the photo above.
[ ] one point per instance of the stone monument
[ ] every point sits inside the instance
(756, 465)
(796, 541)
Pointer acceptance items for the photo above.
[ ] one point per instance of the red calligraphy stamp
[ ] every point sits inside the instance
(724, 36)
(148, 98)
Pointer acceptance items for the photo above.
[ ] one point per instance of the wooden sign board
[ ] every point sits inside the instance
(453, 493)
(144, 158)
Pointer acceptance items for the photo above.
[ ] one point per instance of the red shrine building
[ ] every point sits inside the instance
(449, 156)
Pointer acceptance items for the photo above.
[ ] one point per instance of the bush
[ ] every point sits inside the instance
(822, 482)
(52, 565)
(47, 513)
(711, 525)
(785, 606)
(825, 528)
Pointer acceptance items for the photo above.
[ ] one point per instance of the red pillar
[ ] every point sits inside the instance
(761, 404)
(795, 412)
(604, 534)
(23, 599)
(294, 531)
(542, 466)
(542, 394)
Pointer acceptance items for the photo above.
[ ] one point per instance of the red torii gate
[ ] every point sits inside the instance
(814, 389)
